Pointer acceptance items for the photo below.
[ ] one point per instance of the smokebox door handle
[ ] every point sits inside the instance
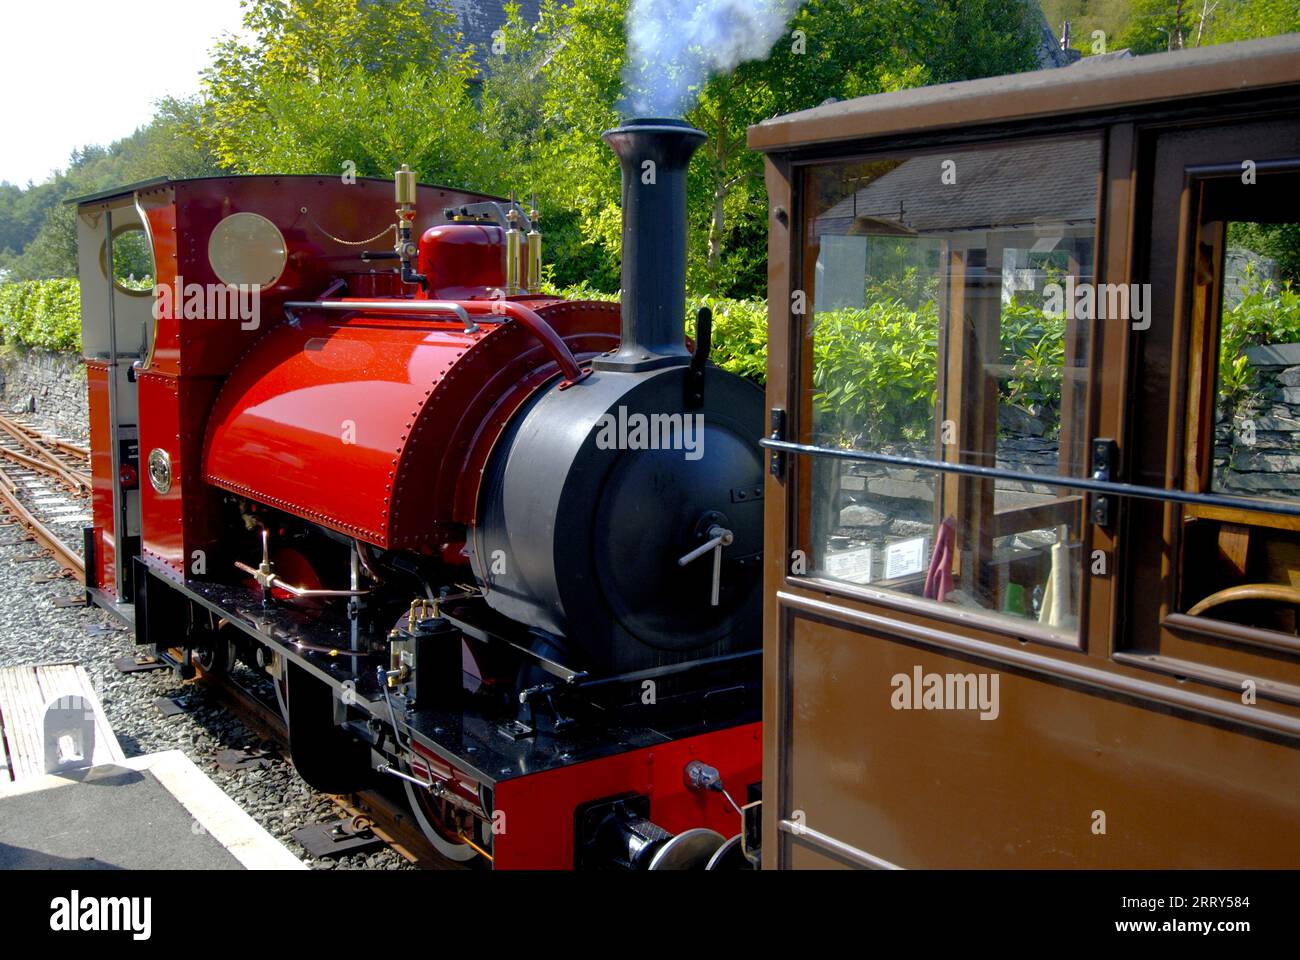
(700, 358)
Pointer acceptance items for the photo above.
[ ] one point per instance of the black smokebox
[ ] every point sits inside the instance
(654, 154)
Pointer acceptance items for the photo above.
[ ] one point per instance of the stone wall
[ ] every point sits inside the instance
(877, 505)
(1258, 452)
(49, 387)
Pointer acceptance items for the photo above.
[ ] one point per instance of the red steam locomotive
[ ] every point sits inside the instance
(502, 547)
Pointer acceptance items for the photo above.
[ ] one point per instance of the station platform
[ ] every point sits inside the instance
(107, 812)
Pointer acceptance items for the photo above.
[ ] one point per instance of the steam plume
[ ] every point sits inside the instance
(674, 46)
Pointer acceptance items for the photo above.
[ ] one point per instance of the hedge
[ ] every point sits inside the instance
(47, 313)
(739, 328)
(42, 313)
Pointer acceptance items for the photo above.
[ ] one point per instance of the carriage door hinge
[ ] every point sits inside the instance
(777, 466)
(1105, 463)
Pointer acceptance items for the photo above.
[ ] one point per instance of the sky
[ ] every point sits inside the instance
(78, 72)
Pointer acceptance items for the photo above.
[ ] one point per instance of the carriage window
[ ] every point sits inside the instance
(950, 298)
(1257, 404)
(1247, 443)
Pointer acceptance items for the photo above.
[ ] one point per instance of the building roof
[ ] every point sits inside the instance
(1030, 183)
(1118, 82)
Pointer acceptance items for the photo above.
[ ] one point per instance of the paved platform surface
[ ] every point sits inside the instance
(154, 812)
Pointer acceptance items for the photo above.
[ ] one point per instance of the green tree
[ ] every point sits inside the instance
(330, 86)
(570, 68)
(1182, 24)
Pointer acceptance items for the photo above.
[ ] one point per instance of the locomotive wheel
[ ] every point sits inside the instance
(438, 824)
(730, 856)
(216, 656)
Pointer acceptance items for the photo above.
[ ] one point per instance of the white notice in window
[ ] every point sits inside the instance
(853, 566)
(905, 557)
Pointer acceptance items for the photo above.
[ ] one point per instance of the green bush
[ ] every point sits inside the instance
(1033, 343)
(739, 327)
(42, 313)
(874, 372)
(875, 368)
(1266, 314)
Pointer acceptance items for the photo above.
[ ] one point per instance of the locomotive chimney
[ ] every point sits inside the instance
(654, 154)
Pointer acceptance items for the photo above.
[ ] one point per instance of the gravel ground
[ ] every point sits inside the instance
(33, 630)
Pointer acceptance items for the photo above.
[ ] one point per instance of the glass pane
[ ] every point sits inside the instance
(1257, 403)
(1245, 568)
(949, 302)
(132, 260)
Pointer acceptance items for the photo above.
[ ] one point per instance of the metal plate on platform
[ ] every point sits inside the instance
(243, 759)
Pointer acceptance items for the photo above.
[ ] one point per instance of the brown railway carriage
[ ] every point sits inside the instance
(1033, 512)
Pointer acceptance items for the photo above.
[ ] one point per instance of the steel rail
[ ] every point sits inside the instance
(76, 480)
(68, 447)
(67, 558)
(1088, 484)
(30, 462)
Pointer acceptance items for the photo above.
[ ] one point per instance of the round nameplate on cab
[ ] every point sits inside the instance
(247, 249)
(160, 470)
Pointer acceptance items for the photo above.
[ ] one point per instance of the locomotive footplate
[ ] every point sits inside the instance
(482, 735)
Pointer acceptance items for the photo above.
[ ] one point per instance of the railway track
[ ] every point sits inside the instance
(33, 468)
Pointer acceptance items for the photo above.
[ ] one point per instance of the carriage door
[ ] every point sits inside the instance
(1216, 584)
(932, 326)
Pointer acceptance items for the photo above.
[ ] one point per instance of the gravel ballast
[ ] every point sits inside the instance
(33, 630)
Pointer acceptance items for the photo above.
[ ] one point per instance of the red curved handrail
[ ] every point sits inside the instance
(534, 324)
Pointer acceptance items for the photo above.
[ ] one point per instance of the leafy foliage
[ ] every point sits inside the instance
(1280, 241)
(1267, 314)
(739, 343)
(874, 372)
(339, 86)
(1033, 342)
(875, 369)
(42, 313)
(1155, 25)
(559, 86)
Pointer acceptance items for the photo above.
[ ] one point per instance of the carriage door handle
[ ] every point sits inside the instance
(1105, 459)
